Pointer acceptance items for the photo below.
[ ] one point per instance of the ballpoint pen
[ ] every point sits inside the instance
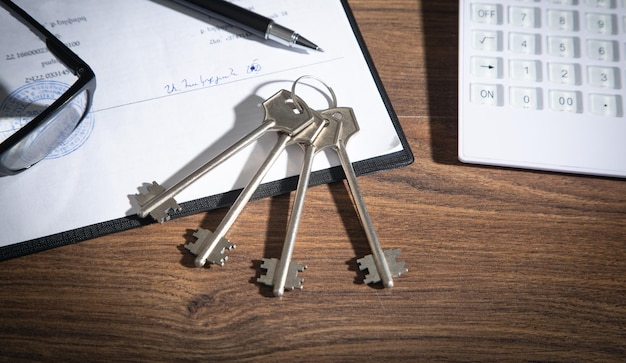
(249, 21)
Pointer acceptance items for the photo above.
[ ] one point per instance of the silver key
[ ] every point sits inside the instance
(382, 266)
(159, 203)
(283, 273)
(205, 250)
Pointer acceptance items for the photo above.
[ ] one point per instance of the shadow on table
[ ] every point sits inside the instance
(441, 42)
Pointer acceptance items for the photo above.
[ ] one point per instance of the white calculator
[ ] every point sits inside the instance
(542, 84)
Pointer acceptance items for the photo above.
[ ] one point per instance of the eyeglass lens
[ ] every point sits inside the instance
(31, 79)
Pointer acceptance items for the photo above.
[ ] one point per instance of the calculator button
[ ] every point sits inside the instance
(487, 40)
(486, 13)
(564, 73)
(524, 43)
(565, 20)
(606, 4)
(525, 17)
(566, 47)
(525, 70)
(603, 50)
(486, 94)
(605, 105)
(606, 77)
(486, 67)
(563, 2)
(602, 23)
(529, 98)
(568, 101)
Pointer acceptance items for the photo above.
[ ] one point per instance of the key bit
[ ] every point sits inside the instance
(217, 255)
(367, 263)
(167, 207)
(292, 281)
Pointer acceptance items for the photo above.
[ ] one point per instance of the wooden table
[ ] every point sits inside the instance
(503, 264)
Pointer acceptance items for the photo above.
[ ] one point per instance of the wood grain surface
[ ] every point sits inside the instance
(504, 265)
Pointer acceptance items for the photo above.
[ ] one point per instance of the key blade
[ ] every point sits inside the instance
(163, 212)
(396, 268)
(217, 256)
(292, 282)
(269, 264)
(367, 263)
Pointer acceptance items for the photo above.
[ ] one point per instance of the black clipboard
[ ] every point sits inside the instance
(333, 174)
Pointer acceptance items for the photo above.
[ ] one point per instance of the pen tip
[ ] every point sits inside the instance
(305, 43)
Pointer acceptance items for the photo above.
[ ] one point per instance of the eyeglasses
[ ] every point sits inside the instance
(47, 130)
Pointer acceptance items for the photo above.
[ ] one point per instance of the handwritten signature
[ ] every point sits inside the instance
(203, 80)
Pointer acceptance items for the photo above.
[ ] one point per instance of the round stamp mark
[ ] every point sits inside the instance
(31, 99)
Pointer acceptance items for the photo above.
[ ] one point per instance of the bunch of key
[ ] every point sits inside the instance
(313, 130)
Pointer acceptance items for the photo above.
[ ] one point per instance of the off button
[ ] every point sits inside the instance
(486, 14)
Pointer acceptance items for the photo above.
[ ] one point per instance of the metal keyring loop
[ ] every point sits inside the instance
(296, 98)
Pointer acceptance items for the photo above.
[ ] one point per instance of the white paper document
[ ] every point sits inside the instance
(173, 90)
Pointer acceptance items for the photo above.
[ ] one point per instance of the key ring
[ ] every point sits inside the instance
(296, 98)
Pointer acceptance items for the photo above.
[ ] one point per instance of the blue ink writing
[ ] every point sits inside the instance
(202, 80)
